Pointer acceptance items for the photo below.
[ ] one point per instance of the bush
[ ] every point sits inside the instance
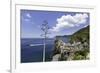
(81, 55)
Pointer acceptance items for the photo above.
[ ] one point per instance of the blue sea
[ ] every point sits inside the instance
(32, 49)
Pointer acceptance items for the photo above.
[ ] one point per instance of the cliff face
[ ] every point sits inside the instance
(76, 49)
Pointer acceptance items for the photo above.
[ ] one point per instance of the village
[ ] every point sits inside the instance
(66, 51)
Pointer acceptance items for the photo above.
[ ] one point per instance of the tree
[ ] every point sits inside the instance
(45, 28)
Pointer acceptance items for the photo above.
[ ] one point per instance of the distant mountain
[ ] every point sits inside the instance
(64, 36)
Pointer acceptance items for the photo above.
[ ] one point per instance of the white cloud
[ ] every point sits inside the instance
(67, 21)
(28, 15)
(27, 19)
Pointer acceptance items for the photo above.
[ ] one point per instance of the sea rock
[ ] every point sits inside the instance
(56, 57)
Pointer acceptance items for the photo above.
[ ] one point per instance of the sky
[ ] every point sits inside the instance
(60, 23)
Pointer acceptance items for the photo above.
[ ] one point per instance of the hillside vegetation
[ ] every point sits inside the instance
(81, 36)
